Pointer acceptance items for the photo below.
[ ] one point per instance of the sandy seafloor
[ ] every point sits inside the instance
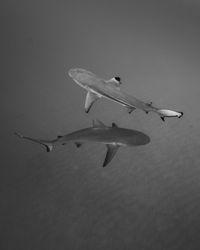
(148, 197)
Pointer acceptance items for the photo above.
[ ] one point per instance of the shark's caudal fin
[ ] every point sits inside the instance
(46, 144)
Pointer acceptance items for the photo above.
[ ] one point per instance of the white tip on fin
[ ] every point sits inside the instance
(90, 99)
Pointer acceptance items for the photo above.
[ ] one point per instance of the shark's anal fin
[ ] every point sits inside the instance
(90, 99)
(111, 151)
(130, 109)
(98, 124)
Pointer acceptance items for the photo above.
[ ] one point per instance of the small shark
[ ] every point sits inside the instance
(97, 87)
(113, 137)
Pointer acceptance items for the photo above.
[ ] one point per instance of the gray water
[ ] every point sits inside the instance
(148, 197)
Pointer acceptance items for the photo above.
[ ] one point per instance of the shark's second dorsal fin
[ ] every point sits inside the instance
(114, 125)
(98, 124)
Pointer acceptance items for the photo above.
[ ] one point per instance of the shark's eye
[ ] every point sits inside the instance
(117, 78)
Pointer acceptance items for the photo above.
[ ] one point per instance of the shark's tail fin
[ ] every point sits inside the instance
(48, 145)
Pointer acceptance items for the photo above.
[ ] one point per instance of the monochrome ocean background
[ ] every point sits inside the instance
(148, 197)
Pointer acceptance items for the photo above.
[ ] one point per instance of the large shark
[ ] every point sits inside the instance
(113, 137)
(97, 87)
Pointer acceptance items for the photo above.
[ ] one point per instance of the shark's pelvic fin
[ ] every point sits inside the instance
(111, 151)
(98, 124)
(90, 99)
(162, 118)
(130, 109)
(149, 104)
(78, 144)
(48, 145)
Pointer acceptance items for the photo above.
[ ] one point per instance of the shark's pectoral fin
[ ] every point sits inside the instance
(78, 144)
(130, 109)
(90, 99)
(111, 151)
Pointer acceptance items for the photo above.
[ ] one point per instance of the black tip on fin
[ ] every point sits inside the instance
(181, 114)
(162, 118)
(48, 147)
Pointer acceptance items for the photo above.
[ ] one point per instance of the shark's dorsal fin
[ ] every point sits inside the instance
(114, 125)
(111, 151)
(90, 99)
(98, 124)
(116, 81)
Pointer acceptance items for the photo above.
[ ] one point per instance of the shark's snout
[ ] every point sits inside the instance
(72, 73)
(146, 139)
(141, 139)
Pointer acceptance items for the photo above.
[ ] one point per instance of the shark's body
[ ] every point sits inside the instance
(113, 137)
(98, 87)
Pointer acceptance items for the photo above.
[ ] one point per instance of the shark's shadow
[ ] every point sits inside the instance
(113, 137)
